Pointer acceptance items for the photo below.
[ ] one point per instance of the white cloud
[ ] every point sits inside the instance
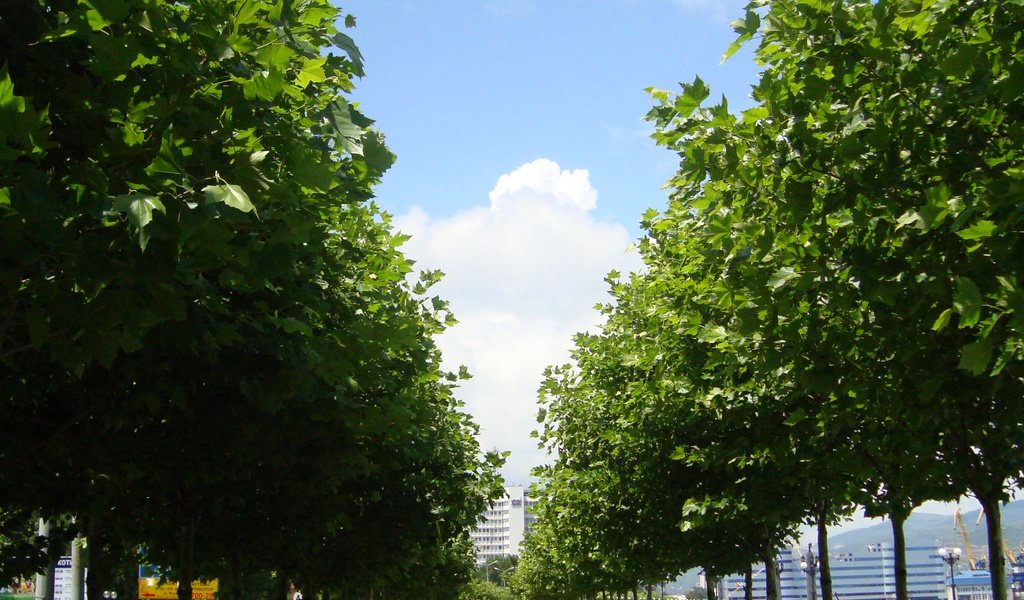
(543, 181)
(522, 275)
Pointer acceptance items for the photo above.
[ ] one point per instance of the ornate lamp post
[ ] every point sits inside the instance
(810, 567)
(950, 557)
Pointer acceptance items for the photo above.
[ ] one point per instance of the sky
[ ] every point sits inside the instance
(524, 165)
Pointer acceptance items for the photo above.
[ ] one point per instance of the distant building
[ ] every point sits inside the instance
(503, 525)
(972, 585)
(867, 574)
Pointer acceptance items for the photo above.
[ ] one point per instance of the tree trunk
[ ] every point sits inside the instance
(771, 573)
(711, 585)
(748, 583)
(824, 568)
(994, 524)
(100, 565)
(771, 579)
(634, 593)
(235, 567)
(186, 567)
(281, 591)
(899, 551)
(130, 572)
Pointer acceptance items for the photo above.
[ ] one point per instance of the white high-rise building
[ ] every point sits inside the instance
(503, 525)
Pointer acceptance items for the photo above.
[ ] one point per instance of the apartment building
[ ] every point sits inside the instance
(503, 525)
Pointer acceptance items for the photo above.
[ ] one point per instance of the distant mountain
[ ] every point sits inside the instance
(924, 529)
(921, 529)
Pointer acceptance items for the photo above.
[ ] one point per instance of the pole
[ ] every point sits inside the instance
(952, 577)
(44, 580)
(810, 568)
(77, 570)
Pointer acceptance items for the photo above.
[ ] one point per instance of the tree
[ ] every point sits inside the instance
(812, 289)
(868, 195)
(199, 296)
(484, 590)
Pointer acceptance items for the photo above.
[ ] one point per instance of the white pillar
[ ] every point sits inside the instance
(44, 580)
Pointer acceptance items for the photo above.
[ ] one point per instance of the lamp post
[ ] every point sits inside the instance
(810, 567)
(501, 574)
(950, 557)
(779, 569)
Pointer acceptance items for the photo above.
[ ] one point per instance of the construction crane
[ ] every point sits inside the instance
(958, 524)
(1007, 552)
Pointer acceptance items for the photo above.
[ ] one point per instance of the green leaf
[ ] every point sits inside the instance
(980, 230)
(943, 320)
(265, 86)
(377, 156)
(291, 325)
(976, 356)
(139, 208)
(910, 217)
(967, 301)
(23, 128)
(692, 96)
(960, 62)
(312, 71)
(231, 195)
(348, 135)
(796, 417)
(275, 57)
(780, 278)
(345, 43)
(752, 115)
(747, 27)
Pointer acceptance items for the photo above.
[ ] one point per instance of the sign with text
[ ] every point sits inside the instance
(62, 579)
(150, 588)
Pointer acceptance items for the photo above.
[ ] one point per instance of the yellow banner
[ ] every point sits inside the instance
(151, 589)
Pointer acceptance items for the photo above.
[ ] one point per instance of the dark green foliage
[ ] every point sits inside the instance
(830, 312)
(483, 590)
(207, 343)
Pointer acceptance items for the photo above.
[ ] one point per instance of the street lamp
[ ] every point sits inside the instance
(501, 574)
(949, 557)
(779, 569)
(110, 594)
(810, 566)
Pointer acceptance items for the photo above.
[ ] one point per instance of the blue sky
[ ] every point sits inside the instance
(524, 165)
(468, 90)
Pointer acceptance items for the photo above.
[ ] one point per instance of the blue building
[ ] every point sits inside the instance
(973, 585)
(868, 574)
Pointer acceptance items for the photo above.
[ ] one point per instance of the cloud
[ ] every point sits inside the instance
(523, 273)
(542, 180)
